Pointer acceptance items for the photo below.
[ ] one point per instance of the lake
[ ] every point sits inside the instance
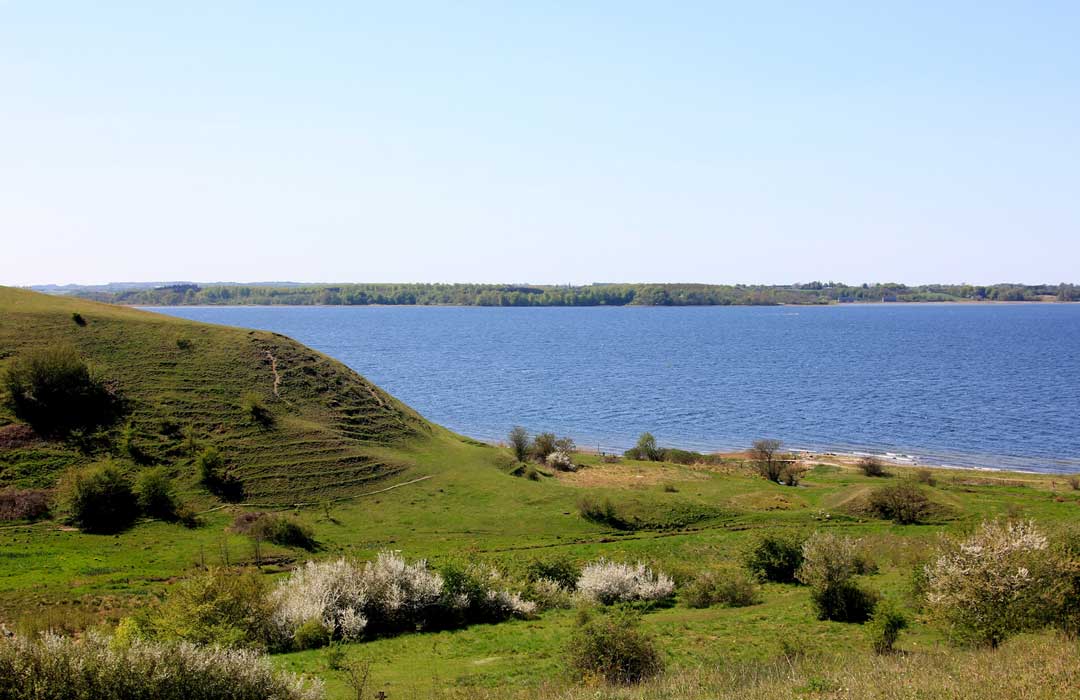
(967, 385)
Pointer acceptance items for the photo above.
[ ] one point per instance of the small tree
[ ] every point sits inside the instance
(775, 558)
(645, 448)
(100, 499)
(519, 442)
(543, 445)
(765, 456)
(884, 627)
(872, 466)
(904, 503)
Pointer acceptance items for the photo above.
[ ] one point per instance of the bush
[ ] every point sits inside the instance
(219, 606)
(613, 648)
(78, 318)
(279, 529)
(519, 442)
(23, 504)
(100, 499)
(560, 460)
(96, 667)
(903, 503)
(987, 587)
(256, 410)
(211, 470)
(156, 494)
(830, 563)
(311, 635)
(1074, 483)
(884, 628)
(54, 392)
(562, 570)
(603, 512)
(766, 459)
(872, 466)
(644, 449)
(925, 476)
(543, 445)
(608, 582)
(713, 588)
(775, 558)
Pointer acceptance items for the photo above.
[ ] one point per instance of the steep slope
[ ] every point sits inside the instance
(323, 427)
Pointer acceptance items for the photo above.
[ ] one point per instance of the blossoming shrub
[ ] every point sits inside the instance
(608, 582)
(988, 586)
(390, 595)
(58, 667)
(830, 564)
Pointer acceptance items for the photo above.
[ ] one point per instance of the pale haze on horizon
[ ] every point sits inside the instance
(513, 142)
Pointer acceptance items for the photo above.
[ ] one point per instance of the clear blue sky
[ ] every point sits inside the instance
(540, 142)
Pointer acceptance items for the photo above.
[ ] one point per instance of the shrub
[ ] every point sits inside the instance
(543, 445)
(608, 582)
(714, 588)
(792, 474)
(519, 442)
(872, 466)
(562, 570)
(925, 476)
(78, 318)
(1074, 483)
(602, 512)
(644, 449)
(279, 529)
(100, 499)
(97, 667)
(311, 635)
(184, 343)
(219, 606)
(565, 444)
(904, 503)
(1063, 597)
(54, 392)
(884, 627)
(830, 563)
(156, 495)
(613, 648)
(129, 446)
(256, 410)
(775, 558)
(211, 470)
(987, 586)
(23, 504)
(560, 460)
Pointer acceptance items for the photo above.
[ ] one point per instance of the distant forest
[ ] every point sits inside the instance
(588, 295)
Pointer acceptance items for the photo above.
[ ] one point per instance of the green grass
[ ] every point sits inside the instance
(389, 480)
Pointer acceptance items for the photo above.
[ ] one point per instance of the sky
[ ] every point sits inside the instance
(541, 142)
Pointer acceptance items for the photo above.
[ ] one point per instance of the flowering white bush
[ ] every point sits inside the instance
(560, 460)
(609, 582)
(549, 594)
(390, 594)
(987, 586)
(59, 667)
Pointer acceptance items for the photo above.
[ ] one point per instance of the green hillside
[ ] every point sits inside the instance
(177, 376)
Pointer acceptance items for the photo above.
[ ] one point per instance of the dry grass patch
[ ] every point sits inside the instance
(629, 476)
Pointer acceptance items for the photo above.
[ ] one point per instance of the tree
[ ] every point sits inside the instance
(100, 499)
(830, 564)
(543, 445)
(765, 456)
(645, 448)
(519, 442)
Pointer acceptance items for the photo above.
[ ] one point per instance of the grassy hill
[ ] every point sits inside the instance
(367, 474)
(178, 377)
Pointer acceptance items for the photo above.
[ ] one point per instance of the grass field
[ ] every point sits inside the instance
(368, 474)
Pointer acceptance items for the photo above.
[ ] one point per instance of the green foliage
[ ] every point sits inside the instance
(612, 647)
(279, 529)
(714, 588)
(519, 442)
(543, 445)
(644, 449)
(54, 392)
(872, 466)
(156, 494)
(885, 626)
(603, 512)
(775, 558)
(256, 410)
(903, 502)
(766, 459)
(561, 569)
(218, 606)
(311, 635)
(210, 467)
(78, 318)
(100, 499)
(830, 563)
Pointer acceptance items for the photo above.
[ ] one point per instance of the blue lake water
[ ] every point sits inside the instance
(975, 385)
